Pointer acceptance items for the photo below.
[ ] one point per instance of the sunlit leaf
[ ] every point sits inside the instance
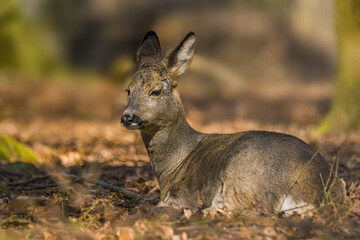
(12, 151)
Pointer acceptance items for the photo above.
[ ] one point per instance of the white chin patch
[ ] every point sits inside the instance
(133, 126)
(288, 206)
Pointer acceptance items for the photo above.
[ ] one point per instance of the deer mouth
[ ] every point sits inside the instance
(131, 122)
(132, 126)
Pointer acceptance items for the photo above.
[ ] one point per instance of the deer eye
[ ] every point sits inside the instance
(128, 91)
(155, 93)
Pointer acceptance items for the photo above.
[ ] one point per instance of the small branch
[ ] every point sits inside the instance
(14, 220)
(4, 179)
(16, 185)
(33, 187)
(223, 212)
(11, 173)
(292, 209)
(41, 177)
(126, 193)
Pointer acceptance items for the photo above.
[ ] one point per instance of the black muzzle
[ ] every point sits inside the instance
(131, 121)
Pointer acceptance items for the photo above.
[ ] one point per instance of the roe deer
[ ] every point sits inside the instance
(207, 171)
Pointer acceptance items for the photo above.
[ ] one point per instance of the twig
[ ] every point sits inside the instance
(11, 173)
(14, 220)
(336, 173)
(292, 209)
(4, 179)
(36, 187)
(223, 212)
(41, 177)
(331, 171)
(105, 185)
(328, 190)
(15, 185)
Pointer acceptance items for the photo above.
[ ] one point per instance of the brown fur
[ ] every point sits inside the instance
(197, 170)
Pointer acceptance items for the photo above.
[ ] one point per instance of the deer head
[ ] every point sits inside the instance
(153, 99)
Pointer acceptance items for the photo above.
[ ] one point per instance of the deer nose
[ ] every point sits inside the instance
(131, 121)
(126, 119)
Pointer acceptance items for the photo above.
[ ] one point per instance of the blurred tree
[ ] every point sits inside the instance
(312, 39)
(20, 48)
(344, 114)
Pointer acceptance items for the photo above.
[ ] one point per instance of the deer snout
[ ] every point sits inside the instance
(131, 121)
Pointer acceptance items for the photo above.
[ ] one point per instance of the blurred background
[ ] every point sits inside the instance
(42, 35)
(268, 63)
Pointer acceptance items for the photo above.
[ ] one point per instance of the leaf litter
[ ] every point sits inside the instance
(80, 140)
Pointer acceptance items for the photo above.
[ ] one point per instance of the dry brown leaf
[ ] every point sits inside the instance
(163, 231)
(188, 213)
(49, 236)
(125, 233)
(141, 226)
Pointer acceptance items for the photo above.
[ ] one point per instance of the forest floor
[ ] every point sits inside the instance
(74, 128)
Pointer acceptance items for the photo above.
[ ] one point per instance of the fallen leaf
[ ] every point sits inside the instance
(125, 233)
(188, 213)
(13, 151)
(163, 231)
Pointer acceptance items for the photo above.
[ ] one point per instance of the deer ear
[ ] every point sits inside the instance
(178, 61)
(149, 49)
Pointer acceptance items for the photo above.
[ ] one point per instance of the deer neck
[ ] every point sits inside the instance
(169, 146)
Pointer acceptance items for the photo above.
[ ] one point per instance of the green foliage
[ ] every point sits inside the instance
(11, 150)
(20, 47)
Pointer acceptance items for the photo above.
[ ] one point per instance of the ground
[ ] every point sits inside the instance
(74, 128)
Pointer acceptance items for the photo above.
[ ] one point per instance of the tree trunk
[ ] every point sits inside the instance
(344, 114)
